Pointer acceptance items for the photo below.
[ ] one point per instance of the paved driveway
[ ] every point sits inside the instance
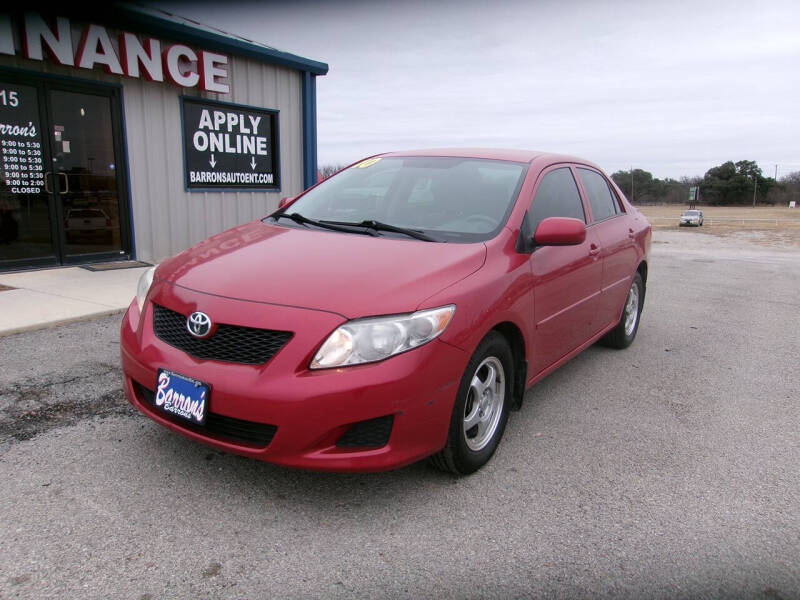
(666, 470)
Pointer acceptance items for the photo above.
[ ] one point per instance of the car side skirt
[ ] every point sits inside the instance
(565, 359)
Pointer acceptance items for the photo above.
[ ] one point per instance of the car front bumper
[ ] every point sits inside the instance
(303, 414)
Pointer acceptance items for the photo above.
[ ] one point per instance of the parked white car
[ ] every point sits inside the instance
(691, 218)
(88, 223)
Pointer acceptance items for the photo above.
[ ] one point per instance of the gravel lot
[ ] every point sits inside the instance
(669, 470)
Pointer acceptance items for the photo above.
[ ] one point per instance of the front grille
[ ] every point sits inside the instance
(220, 427)
(230, 343)
(368, 434)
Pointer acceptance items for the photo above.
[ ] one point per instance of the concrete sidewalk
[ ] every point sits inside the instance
(54, 296)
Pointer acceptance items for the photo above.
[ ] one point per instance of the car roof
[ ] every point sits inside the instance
(510, 154)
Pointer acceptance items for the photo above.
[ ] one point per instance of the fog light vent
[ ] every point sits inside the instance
(368, 434)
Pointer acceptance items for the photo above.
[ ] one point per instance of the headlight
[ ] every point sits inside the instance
(145, 281)
(370, 340)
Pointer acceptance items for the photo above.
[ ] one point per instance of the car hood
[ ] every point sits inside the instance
(349, 274)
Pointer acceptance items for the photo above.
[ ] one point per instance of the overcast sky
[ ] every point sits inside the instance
(670, 87)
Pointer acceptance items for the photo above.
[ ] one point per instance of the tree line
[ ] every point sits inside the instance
(731, 183)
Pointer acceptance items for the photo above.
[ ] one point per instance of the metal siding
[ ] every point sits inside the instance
(177, 218)
(166, 218)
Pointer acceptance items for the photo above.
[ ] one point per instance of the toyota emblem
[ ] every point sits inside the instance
(199, 324)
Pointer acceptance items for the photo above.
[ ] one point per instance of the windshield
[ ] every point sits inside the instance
(691, 213)
(447, 199)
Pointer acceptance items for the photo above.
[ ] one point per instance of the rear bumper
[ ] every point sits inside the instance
(310, 410)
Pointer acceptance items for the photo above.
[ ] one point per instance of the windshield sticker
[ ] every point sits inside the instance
(367, 163)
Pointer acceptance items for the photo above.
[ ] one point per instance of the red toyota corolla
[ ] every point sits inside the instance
(396, 311)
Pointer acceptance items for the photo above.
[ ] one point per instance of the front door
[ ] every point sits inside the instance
(566, 279)
(63, 196)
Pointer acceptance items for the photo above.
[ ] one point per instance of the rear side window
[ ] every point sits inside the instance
(557, 196)
(599, 194)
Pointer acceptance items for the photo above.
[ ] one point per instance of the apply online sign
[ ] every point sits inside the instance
(230, 146)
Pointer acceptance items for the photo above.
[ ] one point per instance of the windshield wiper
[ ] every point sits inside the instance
(379, 226)
(298, 218)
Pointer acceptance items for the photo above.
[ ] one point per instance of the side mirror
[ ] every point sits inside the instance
(560, 231)
(284, 201)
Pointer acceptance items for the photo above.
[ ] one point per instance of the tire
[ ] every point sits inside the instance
(624, 333)
(489, 375)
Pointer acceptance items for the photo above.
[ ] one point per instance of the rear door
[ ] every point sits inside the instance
(614, 233)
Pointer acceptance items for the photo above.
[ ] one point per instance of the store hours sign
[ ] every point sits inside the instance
(22, 167)
(230, 146)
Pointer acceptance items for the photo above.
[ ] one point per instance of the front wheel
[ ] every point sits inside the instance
(623, 334)
(481, 408)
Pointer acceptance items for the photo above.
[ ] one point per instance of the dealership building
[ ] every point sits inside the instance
(130, 133)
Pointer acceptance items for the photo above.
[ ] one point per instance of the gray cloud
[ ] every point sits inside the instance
(671, 87)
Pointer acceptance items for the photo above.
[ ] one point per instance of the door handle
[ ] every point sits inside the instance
(631, 234)
(46, 180)
(66, 182)
(594, 250)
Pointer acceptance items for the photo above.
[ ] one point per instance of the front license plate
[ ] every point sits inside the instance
(182, 396)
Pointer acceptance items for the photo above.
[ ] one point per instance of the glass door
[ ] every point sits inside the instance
(63, 197)
(85, 173)
(26, 203)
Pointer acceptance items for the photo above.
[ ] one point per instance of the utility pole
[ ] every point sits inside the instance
(776, 172)
(631, 183)
(755, 189)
